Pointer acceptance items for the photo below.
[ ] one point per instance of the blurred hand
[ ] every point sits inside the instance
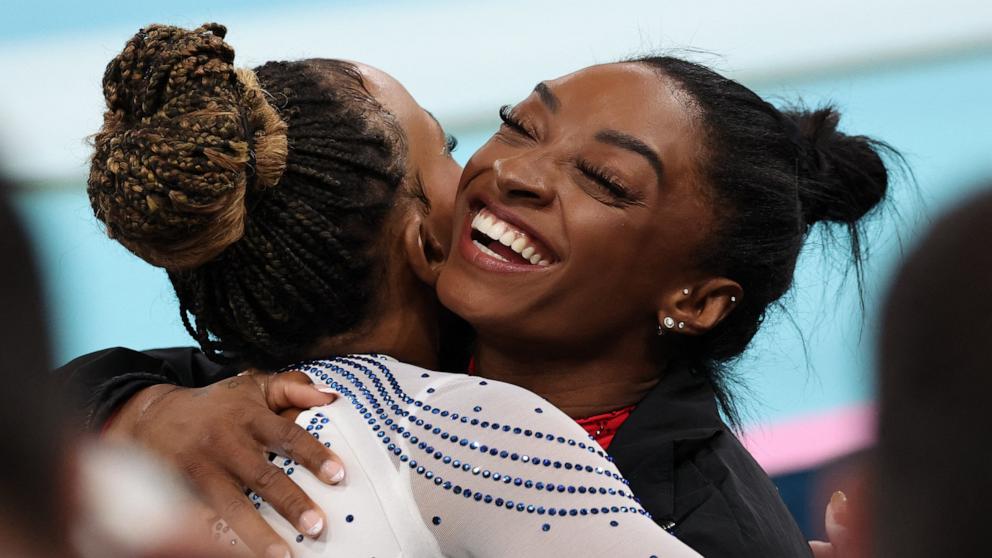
(836, 521)
(218, 437)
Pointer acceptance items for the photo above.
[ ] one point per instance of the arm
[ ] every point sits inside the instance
(101, 382)
(217, 436)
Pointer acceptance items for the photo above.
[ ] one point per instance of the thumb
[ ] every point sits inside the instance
(294, 389)
(836, 520)
(822, 549)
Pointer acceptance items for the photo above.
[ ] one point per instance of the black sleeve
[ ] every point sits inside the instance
(100, 382)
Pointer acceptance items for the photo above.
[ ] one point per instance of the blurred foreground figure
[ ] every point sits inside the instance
(62, 495)
(929, 478)
(934, 472)
(34, 464)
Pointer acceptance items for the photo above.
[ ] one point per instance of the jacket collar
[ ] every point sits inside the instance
(681, 407)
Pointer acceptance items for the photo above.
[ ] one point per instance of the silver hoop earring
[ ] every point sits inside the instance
(681, 325)
(669, 322)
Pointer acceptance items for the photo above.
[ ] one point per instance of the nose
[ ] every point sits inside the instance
(521, 180)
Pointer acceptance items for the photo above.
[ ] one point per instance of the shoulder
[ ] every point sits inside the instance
(720, 487)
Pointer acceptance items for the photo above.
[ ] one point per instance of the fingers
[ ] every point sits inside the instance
(294, 389)
(822, 549)
(284, 495)
(836, 519)
(225, 495)
(288, 439)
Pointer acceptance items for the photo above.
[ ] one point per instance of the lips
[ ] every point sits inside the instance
(498, 241)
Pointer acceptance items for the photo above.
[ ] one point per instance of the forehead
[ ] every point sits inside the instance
(388, 91)
(629, 97)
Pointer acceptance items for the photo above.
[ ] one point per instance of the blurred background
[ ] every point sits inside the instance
(915, 74)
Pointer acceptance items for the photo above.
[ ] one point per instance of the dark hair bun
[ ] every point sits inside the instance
(184, 135)
(842, 177)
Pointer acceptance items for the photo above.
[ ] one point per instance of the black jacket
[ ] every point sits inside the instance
(686, 466)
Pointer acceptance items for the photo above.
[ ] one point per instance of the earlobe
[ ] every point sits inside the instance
(424, 252)
(698, 309)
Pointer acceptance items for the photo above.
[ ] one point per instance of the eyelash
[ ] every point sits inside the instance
(506, 115)
(451, 143)
(606, 180)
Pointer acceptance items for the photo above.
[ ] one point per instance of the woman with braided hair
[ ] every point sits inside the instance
(615, 246)
(288, 206)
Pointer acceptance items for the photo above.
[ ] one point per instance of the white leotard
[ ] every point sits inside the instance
(454, 465)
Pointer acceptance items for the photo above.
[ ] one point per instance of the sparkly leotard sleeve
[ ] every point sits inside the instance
(453, 465)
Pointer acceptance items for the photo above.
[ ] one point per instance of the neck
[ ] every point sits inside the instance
(404, 325)
(580, 383)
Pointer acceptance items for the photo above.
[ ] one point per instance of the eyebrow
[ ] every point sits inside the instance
(630, 143)
(547, 97)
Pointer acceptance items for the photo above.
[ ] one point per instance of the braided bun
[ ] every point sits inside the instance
(184, 135)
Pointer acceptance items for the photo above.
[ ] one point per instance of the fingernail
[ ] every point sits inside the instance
(312, 523)
(332, 471)
(277, 551)
(322, 388)
(839, 501)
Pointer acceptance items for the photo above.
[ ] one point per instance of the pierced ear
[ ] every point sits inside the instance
(424, 251)
(698, 308)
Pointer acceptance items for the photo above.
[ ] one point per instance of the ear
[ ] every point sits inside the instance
(424, 252)
(697, 308)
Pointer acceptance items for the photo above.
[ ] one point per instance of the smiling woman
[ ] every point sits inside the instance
(662, 208)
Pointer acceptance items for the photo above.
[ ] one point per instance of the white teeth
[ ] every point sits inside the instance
(489, 252)
(507, 235)
(497, 230)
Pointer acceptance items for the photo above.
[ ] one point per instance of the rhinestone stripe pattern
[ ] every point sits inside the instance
(376, 394)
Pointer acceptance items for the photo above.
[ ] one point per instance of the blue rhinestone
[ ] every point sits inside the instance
(545, 527)
(349, 518)
(457, 490)
(538, 410)
(425, 375)
(499, 502)
(477, 408)
(436, 520)
(614, 523)
(540, 510)
(430, 390)
(488, 499)
(483, 383)
(299, 538)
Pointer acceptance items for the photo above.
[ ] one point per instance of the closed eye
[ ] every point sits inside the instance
(609, 182)
(513, 123)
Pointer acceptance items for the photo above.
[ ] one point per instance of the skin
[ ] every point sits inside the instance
(219, 435)
(624, 229)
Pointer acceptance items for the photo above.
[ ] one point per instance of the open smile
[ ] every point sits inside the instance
(497, 241)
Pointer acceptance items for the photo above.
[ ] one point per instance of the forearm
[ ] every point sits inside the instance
(101, 382)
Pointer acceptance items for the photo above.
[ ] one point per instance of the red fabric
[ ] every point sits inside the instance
(601, 427)
(604, 427)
